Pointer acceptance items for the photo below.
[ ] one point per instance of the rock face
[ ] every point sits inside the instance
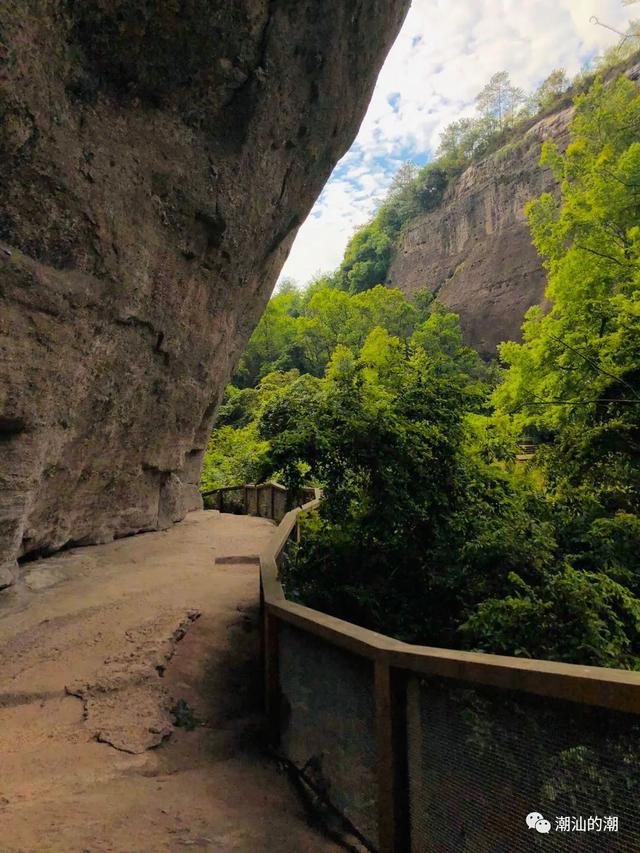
(475, 252)
(156, 159)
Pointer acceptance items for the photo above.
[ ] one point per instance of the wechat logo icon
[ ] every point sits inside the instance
(536, 821)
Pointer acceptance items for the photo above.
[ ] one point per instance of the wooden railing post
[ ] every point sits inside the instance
(392, 769)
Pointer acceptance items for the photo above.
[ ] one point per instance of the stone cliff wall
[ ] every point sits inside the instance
(475, 252)
(156, 160)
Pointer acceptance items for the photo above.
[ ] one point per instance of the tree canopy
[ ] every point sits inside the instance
(499, 100)
(576, 377)
(430, 528)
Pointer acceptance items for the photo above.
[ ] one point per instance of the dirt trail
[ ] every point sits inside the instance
(97, 646)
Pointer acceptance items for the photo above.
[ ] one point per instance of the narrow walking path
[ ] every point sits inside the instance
(102, 649)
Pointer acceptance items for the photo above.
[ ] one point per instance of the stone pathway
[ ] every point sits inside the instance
(103, 649)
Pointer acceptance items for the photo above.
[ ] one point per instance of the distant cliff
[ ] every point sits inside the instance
(474, 251)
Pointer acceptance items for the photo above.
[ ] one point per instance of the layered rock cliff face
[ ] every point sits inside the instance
(156, 159)
(474, 251)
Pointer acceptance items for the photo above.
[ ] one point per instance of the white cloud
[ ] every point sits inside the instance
(443, 55)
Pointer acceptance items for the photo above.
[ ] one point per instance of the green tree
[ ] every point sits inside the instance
(551, 88)
(367, 258)
(333, 317)
(464, 141)
(297, 334)
(235, 453)
(576, 376)
(575, 380)
(381, 433)
(499, 101)
(270, 345)
(431, 184)
(440, 336)
(402, 195)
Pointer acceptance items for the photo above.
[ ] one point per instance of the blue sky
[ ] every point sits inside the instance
(445, 53)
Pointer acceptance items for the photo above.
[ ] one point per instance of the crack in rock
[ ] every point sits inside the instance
(126, 706)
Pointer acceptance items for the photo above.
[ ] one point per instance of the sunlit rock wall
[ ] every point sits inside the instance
(474, 252)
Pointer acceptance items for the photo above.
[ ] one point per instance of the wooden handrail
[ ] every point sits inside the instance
(393, 661)
(616, 689)
(268, 485)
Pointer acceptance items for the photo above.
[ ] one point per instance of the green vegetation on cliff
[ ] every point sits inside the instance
(430, 529)
(503, 114)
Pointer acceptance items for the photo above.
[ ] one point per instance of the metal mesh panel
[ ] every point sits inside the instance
(252, 500)
(328, 723)
(264, 502)
(233, 500)
(482, 760)
(279, 504)
(211, 501)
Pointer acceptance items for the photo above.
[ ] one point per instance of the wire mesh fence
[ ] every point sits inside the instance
(231, 500)
(327, 723)
(482, 760)
(267, 500)
(546, 758)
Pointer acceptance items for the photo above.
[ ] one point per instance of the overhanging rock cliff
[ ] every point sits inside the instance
(474, 252)
(156, 159)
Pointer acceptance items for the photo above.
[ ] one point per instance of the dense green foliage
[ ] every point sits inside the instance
(430, 529)
(418, 536)
(575, 381)
(297, 336)
(384, 434)
(236, 452)
(299, 331)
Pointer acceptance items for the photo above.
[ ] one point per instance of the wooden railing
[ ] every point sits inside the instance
(266, 500)
(393, 661)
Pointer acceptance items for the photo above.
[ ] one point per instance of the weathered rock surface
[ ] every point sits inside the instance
(475, 252)
(156, 159)
(6, 578)
(125, 703)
